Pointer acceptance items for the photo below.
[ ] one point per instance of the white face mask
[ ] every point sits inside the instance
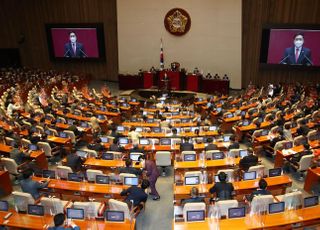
(73, 39)
(298, 43)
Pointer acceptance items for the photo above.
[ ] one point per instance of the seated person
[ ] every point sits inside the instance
(261, 190)
(74, 128)
(303, 128)
(59, 223)
(233, 143)
(97, 146)
(186, 145)
(17, 155)
(275, 137)
(287, 134)
(174, 133)
(248, 161)
(30, 186)
(210, 145)
(136, 149)
(194, 193)
(223, 189)
(297, 157)
(115, 147)
(130, 169)
(135, 193)
(74, 161)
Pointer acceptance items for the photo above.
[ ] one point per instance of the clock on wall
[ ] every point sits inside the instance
(177, 22)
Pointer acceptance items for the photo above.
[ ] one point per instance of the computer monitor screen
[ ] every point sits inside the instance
(107, 156)
(191, 180)
(133, 100)
(275, 172)
(226, 138)
(236, 212)
(59, 120)
(101, 117)
(37, 210)
(212, 128)
(48, 118)
(276, 207)
(185, 120)
(63, 135)
(165, 141)
(48, 132)
(103, 108)
(189, 157)
(156, 130)
(311, 201)
(123, 141)
(219, 109)
(196, 216)
(75, 213)
(245, 123)
(4, 205)
(84, 125)
(131, 181)
(104, 139)
(49, 174)
(114, 216)
(175, 113)
(194, 128)
(70, 122)
(120, 128)
(243, 153)
(74, 177)
(144, 141)
(102, 179)
(82, 154)
(134, 156)
(134, 119)
(264, 132)
(288, 145)
(150, 120)
(249, 175)
(33, 147)
(217, 155)
(243, 113)
(229, 115)
(139, 129)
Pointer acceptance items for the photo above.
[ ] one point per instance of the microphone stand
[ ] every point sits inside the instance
(66, 53)
(281, 62)
(308, 59)
(85, 55)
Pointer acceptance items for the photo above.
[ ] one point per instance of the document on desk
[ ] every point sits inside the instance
(287, 152)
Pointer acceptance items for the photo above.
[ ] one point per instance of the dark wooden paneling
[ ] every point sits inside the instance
(28, 17)
(255, 13)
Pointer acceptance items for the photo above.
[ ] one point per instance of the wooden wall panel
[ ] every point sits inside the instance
(256, 13)
(28, 18)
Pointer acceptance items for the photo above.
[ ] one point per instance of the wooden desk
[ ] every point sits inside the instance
(223, 163)
(106, 165)
(306, 216)
(227, 123)
(312, 178)
(5, 183)
(242, 130)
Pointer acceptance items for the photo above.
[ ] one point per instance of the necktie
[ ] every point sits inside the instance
(74, 48)
(297, 55)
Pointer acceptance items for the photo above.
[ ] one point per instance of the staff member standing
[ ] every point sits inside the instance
(152, 173)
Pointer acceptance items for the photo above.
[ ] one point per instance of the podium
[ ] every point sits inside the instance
(148, 80)
(193, 82)
(174, 78)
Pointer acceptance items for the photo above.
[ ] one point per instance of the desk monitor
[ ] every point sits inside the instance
(189, 157)
(260, 119)
(134, 119)
(250, 175)
(245, 123)
(265, 132)
(107, 156)
(4, 205)
(194, 128)
(213, 128)
(243, 153)
(219, 109)
(82, 154)
(74, 177)
(123, 141)
(135, 156)
(131, 181)
(185, 120)
(33, 147)
(63, 135)
(165, 141)
(226, 138)
(103, 108)
(75, 213)
(276, 207)
(114, 216)
(175, 113)
(84, 124)
(70, 122)
(59, 120)
(120, 128)
(218, 155)
(196, 216)
(101, 117)
(275, 172)
(150, 120)
(239, 212)
(144, 141)
(288, 145)
(156, 129)
(37, 210)
(104, 139)
(139, 129)
(229, 115)
(49, 174)
(133, 99)
(311, 201)
(102, 179)
(243, 113)
(192, 180)
(76, 113)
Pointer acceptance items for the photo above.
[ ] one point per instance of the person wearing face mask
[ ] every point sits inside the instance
(297, 54)
(73, 48)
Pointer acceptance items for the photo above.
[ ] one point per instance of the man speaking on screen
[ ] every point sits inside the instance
(73, 48)
(297, 54)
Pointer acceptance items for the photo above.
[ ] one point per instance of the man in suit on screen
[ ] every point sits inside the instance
(73, 48)
(297, 54)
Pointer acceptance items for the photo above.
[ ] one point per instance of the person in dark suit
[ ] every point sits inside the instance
(223, 189)
(30, 186)
(17, 155)
(186, 145)
(262, 190)
(59, 223)
(210, 146)
(194, 193)
(233, 143)
(73, 48)
(74, 161)
(303, 128)
(137, 194)
(248, 161)
(129, 168)
(297, 157)
(152, 173)
(297, 54)
(136, 149)
(115, 147)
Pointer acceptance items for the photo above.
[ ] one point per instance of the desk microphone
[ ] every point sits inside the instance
(306, 57)
(66, 53)
(281, 62)
(85, 55)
